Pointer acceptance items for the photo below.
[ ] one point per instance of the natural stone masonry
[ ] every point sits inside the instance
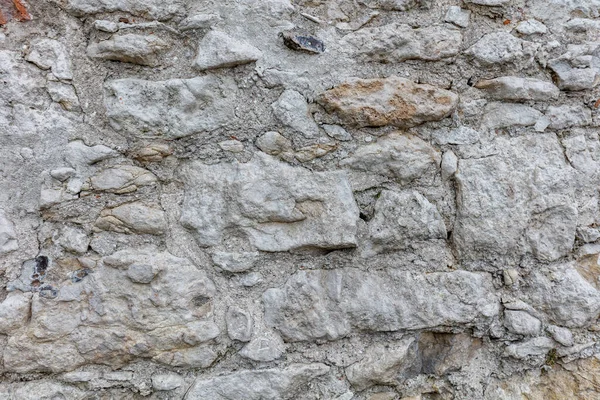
(292, 199)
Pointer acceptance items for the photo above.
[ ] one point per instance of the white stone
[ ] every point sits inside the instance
(51, 54)
(165, 382)
(133, 217)
(458, 16)
(533, 347)
(531, 27)
(515, 88)
(460, 135)
(273, 143)
(291, 109)
(8, 236)
(504, 115)
(522, 323)
(233, 146)
(106, 26)
(563, 117)
(234, 261)
(130, 48)
(449, 164)
(497, 48)
(218, 50)
(72, 239)
(240, 324)
(265, 346)
(337, 132)
(199, 21)
(561, 335)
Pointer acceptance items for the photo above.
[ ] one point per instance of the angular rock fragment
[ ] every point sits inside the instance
(160, 10)
(449, 164)
(497, 48)
(402, 218)
(494, 207)
(106, 26)
(199, 21)
(14, 311)
(504, 115)
(405, 158)
(551, 233)
(79, 154)
(391, 5)
(133, 218)
(520, 322)
(266, 384)
(531, 27)
(165, 382)
(458, 16)
(130, 48)
(64, 95)
(8, 236)
(264, 346)
(400, 42)
(72, 239)
(533, 347)
(460, 135)
(302, 42)
(218, 50)
(153, 152)
(121, 179)
(384, 364)
(515, 88)
(563, 117)
(279, 207)
(240, 324)
(390, 101)
(172, 108)
(291, 109)
(331, 304)
(578, 68)
(443, 353)
(273, 143)
(51, 54)
(235, 261)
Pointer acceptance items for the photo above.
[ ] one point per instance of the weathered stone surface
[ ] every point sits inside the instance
(497, 48)
(121, 179)
(133, 217)
(65, 95)
(72, 239)
(567, 298)
(496, 216)
(517, 89)
(531, 27)
(488, 2)
(504, 115)
(522, 323)
(131, 48)
(240, 324)
(443, 353)
(199, 21)
(79, 154)
(533, 347)
(578, 68)
(383, 364)
(279, 207)
(218, 50)
(568, 116)
(14, 311)
(167, 381)
(391, 101)
(458, 16)
(273, 143)
(235, 261)
(172, 108)
(331, 304)
(151, 8)
(449, 164)
(264, 346)
(291, 109)
(267, 384)
(51, 54)
(8, 236)
(460, 135)
(402, 157)
(400, 42)
(404, 218)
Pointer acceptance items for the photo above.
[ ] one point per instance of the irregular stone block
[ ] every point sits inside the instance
(65, 95)
(266, 384)
(8, 236)
(14, 311)
(172, 108)
(240, 324)
(443, 353)
(51, 54)
(218, 50)
(279, 207)
(458, 16)
(331, 304)
(148, 8)
(521, 323)
(499, 197)
(235, 261)
(533, 347)
(515, 88)
(562, 117)
(130, 48)
(402, 218)
(390, 101)
(405, 158)
(164, 382)
(488, 2)
(78, 154)
(199, 21)
(531, 27)
(264, 346)
(133, 218)
(399, 42)
(384, 364)
(497, 48)
(121, 179)
(291, 109)
(578, 68)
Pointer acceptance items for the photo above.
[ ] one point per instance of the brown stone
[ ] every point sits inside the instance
(389, 101)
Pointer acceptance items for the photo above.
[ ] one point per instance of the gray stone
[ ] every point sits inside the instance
(449, 164)
(561, 335)
(133, 218)
(172, 108)
(199, 21)
(402, 218)
(458, 16)
(152, 8)
(140, 273)
(79, 154)
(121, 179)
(504, 115)
(405, 158)
(72, 239)
(64, 94)
(383, 364)
(273, 143)
(240, 324)
(62, 174)
(531, 27)
(515, 88)
(8, 236)
(390, 101)
(331, 304)
(460, 135)
(488, 2)
(336, 132)
(235, 261)
(106, 26)
(165, 382)
(291, 109)
(14, 311)
(563, 117)
(533, 347)
(521, 323)
(497, 48)
(279, 207)
(496, 218)
(567, 298)
(50, 54)
(578, 68)
(233, 146)
(266, 384)
(265, 346)
(250, 279)
(218, 50)
(130, 48)
(399, 42)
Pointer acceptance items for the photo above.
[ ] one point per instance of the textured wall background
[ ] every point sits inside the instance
(236, 199)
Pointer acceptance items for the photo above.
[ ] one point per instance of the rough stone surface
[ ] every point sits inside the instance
(392, 101)
(307, 200)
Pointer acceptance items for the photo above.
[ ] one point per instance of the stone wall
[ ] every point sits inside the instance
(343, 199)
